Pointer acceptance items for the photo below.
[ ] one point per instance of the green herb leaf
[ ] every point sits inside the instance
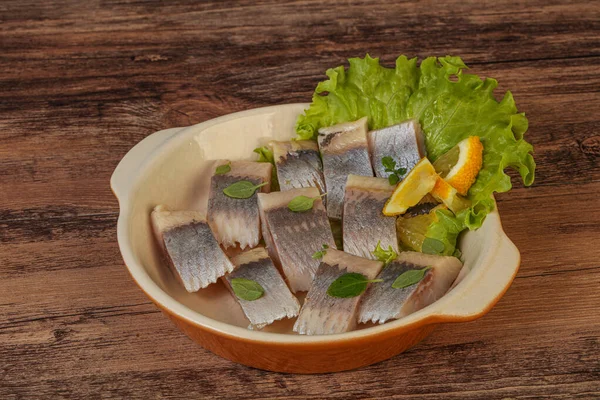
(319, 254)
(388, 163)
(386, 256)
(265, 154)
(223, 169)
(303, 203)
(348, 285)
(432, 246)
(242, 189)
(390, 166)
(409, 278)
(247, 289)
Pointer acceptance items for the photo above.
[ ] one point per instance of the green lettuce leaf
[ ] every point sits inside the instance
(365, 89)
(445, 231)
(450, 105)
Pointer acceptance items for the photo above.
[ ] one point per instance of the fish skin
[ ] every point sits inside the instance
(237, 221)
(403, 142)
(322, 314)
(344, 149)
(190, 247)
(298, 164)
(364, 224)
(293, 237)
(382, 303)
(276, 303)
(421, 208)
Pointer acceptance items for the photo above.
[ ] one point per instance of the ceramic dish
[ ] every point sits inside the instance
(173, 167)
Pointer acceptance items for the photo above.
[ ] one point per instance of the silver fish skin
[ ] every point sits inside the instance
(276, 303)
(344, 149)
(403, 142)
(298, 164)
(237, 221)
(190, 247)
(424, 206)
(364, 224)
(382, 303)
(293, 237)
(322, 314)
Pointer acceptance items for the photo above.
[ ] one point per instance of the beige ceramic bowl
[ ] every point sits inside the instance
(173, 167)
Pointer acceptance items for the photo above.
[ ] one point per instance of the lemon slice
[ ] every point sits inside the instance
(461, 164)
(445, 193)
(419, 181)
(412, 230)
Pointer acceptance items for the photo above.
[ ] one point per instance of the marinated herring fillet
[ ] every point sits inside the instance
(322, 314)
(381, 302)
(190, 247)
(293, 237)
(403, 142)
(298, 164)
(277, 302)
(344, 149)
(364, 225)
(237, 221)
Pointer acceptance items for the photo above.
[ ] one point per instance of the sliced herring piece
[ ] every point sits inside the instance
(276, 303)
(322, 314)
(190, 247)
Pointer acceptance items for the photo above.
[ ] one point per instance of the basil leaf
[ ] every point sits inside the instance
(349, 285)
(432, 246)
(301, 203)
(247, 289)
(386, 256)
(242, 189)
(223, 169)
(401, 171)
(409, 278)
(393, 179)
(388, 163)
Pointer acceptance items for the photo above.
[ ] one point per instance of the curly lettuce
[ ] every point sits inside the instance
(450, 105)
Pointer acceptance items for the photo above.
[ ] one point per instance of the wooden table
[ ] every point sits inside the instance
(82, 82)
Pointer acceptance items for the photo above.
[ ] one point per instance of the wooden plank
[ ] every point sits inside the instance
(560, 29)
(65, 178)
(100, 353)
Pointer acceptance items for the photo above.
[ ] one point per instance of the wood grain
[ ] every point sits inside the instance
(82, 82)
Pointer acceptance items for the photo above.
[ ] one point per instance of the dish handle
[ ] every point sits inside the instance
(122, 177)
(486, 287)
